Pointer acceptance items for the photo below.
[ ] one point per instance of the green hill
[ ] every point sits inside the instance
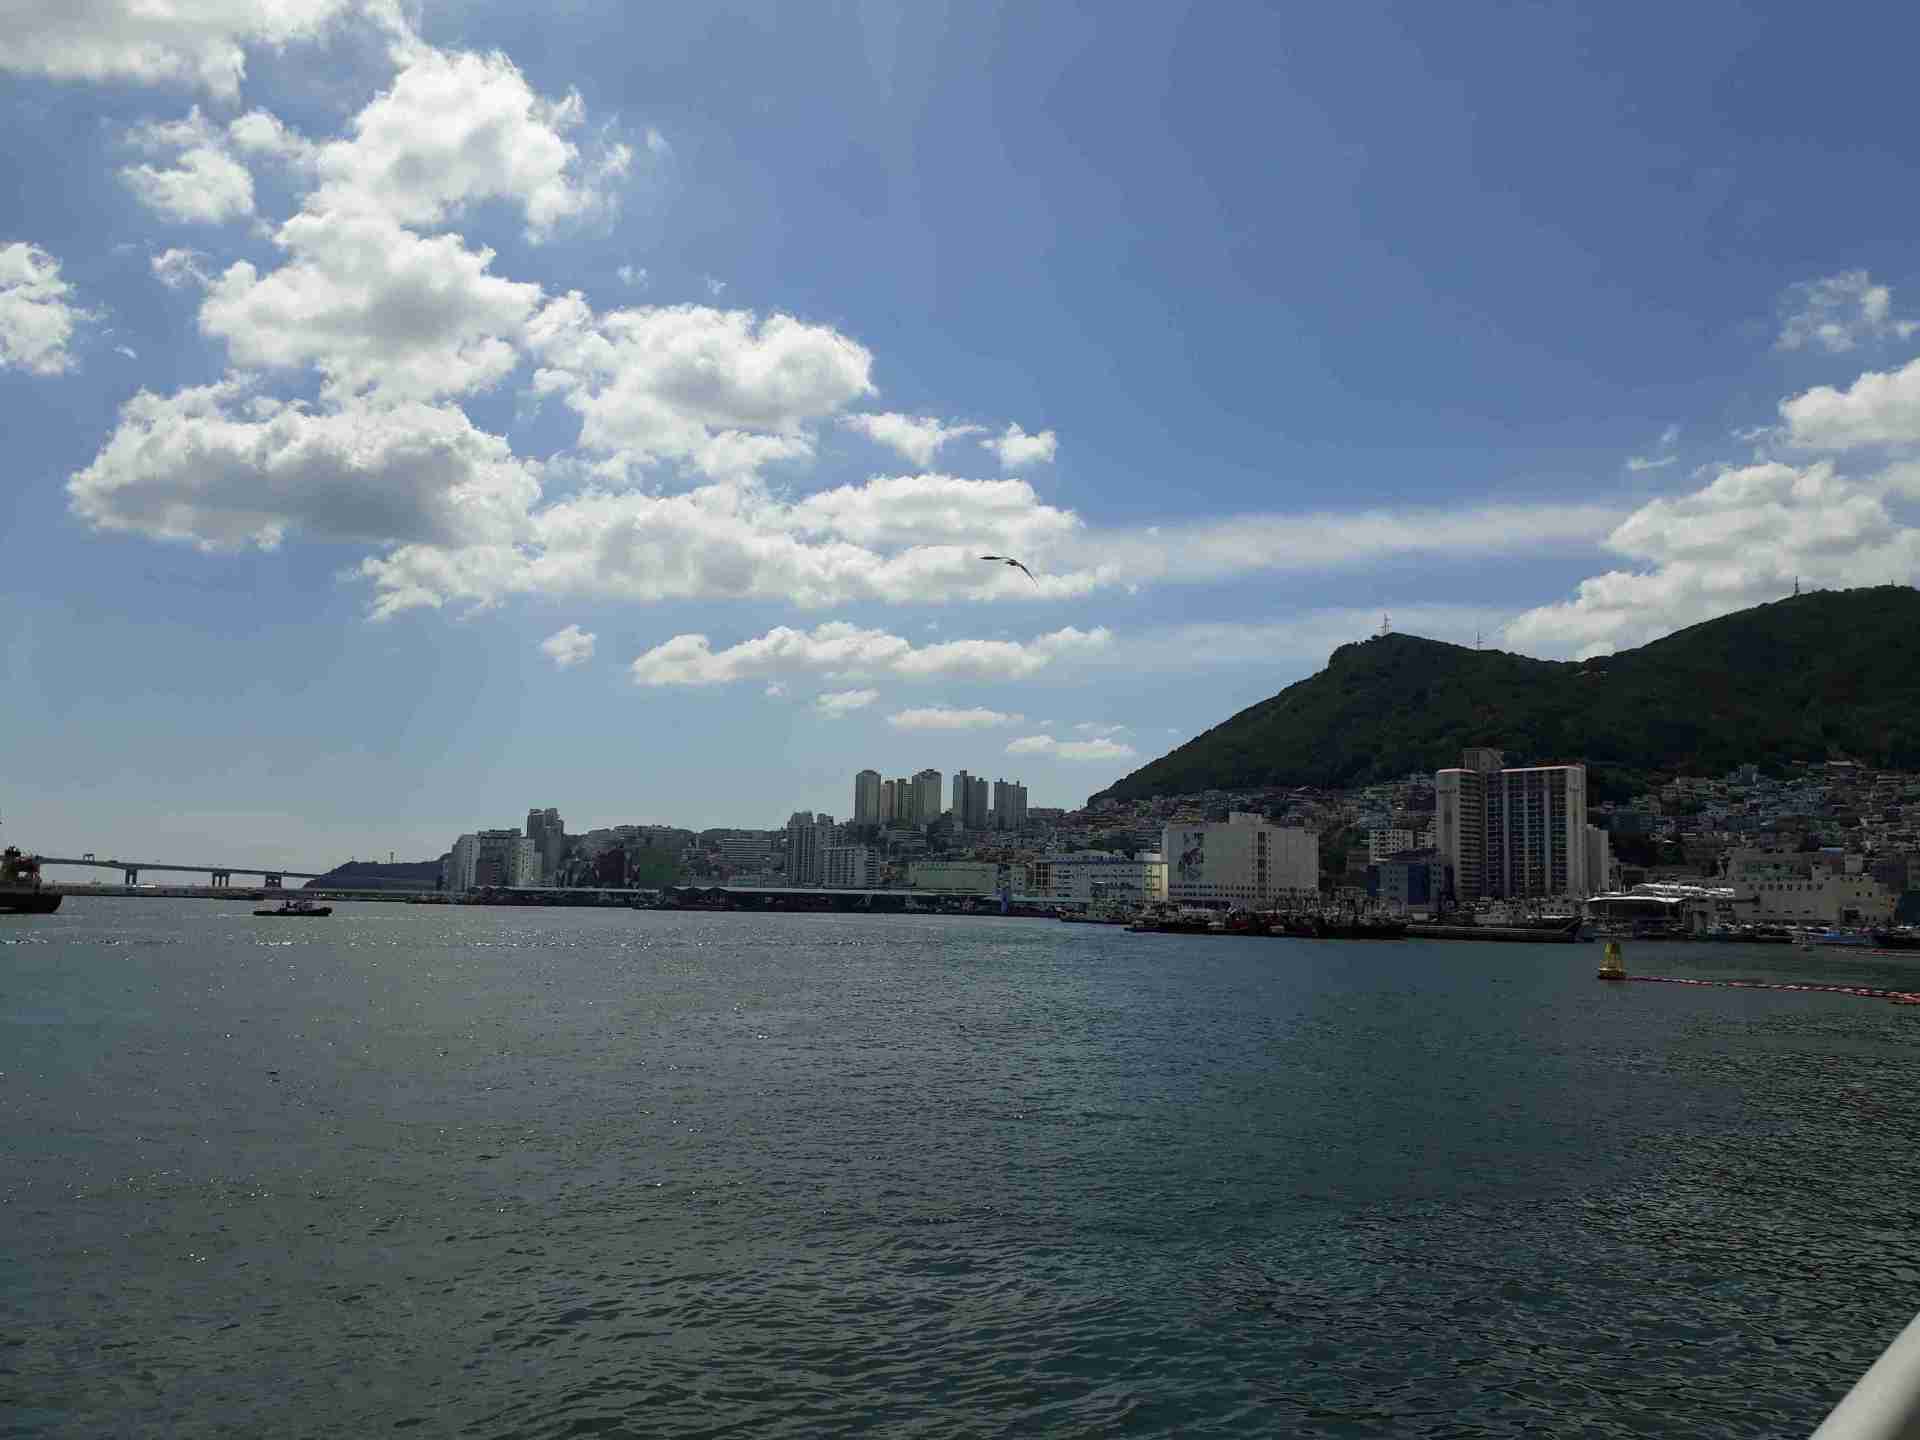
(1820, 676)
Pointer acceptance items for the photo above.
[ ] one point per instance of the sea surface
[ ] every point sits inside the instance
(516, 1173)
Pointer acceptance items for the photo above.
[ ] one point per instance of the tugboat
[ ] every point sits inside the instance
(21, 892)
(293, 907)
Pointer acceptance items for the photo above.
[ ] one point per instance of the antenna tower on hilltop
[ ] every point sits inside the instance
(1386, 626)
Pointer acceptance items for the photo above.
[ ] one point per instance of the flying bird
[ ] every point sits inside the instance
(1009, 560)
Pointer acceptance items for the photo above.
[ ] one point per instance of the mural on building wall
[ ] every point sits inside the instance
(1193, 852)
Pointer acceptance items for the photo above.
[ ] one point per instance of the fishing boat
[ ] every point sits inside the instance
(295, 908)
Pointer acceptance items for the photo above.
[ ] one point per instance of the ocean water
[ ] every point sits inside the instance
(494, 1173)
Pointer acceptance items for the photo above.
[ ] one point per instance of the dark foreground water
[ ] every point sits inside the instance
(552, 1173)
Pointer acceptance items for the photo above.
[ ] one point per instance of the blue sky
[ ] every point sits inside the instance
(420, 414)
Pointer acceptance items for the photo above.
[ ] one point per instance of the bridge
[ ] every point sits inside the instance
(220, 876)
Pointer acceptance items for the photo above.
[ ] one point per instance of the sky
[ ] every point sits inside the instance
(420, 413)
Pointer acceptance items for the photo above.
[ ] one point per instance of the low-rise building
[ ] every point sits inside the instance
(1241, 862)
(1074, 876)
(954, 877)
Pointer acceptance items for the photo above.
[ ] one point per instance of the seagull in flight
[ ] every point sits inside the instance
(1009, 560)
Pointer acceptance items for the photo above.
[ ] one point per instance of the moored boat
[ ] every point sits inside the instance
(21, 892)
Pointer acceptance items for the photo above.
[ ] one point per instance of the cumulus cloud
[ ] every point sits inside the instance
(692, 384)
(376, 308)
(835, 703)
(225, 468)
(456, 128)
(918, 438)
(1838, 312)
(1739, 541)
(568, 647)
(841, 649)
(943, 717)
(1015, 447)
(37, 318)
(202, 43)
(1100, 749)
(1879, 408)
(178, 268)
(204, 184)
(635, 275)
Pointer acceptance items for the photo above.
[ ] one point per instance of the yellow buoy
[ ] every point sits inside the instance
(1612, 965)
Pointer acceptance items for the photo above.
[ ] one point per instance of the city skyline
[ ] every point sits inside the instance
(414, 414)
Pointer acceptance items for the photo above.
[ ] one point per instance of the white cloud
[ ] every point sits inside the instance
(262, 133)
(635, 275)
(196, 42)
(672, 383)
(918, 438)
(36, 318)
(178, 268)
(1739, 541)
(715, 288)
(1015, 447)
(943, 717)
(1663, 455)
(205, 184)
(375, 308)
(836, 703)
(848, 545)
(776, 690)
(1102, 749)
(226, 469)
(935, 510)
(840, 649)
(1838, 312)
(1100, 728)
(455, 128)
(1879, 408)
(1211, 550)
(568, 647)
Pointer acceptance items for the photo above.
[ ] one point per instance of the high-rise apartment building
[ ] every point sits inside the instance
(803, 849)
(458, 872)
(506, 859)
(969, 801)
(549, 836)
(1513, 833)
(866, 798)
(850, 867)
(926, 797)
(1009, 805)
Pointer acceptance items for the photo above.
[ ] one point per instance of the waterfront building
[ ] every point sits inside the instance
(1009, 805)
(1512, 833)
(1075, 876)
(954, 877)
(1243, 862)
(926, 797)
(549, 836)
(458, 874)
(866, 798)
(504, 859)
(1599, 859)
(1409, 880)
(850, 867)
(1825, 887)
(803, 849)
(746, 850)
